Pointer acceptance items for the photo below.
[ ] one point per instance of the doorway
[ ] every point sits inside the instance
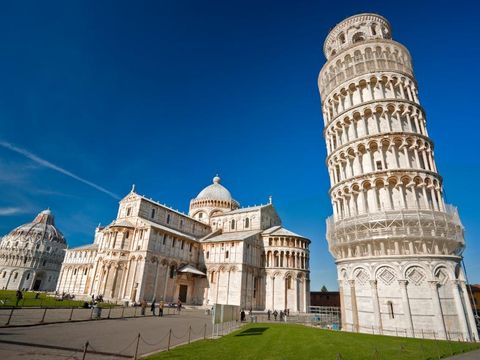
(36, 285)
(182, 294)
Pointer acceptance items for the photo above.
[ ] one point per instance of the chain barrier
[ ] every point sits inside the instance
(181, 337)
(125, 348)
(156, 343)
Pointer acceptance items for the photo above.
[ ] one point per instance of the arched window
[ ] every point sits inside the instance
(342, 38)
(226, 254)
(172, 271)
(289, 282)
(208, 254)
(232, 224)
(200, 215)
(212, 277)
(168, 218)
(28, 276)
(390, 310)
(358, 37)
(247, 223)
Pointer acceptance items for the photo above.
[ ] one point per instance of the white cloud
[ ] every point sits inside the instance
(48, 164)
(7, 211)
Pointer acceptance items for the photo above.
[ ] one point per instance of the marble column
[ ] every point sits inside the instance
(437, 310)
(469, 311)
(460, 310)
(353, 298)
(406, 307)
(376, 306)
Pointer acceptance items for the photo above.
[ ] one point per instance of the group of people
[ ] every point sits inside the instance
(282, 314)
(161, 305)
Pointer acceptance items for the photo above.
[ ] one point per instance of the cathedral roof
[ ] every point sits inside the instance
(41, 228)
(215, 191)
(235, 235)
(247, 209)
(281, 231)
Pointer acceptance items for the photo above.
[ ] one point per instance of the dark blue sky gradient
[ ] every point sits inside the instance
(167, 94)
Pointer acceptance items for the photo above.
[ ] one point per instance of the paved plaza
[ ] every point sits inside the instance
(117, 338)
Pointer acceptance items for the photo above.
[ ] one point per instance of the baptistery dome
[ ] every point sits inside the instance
(31, 255)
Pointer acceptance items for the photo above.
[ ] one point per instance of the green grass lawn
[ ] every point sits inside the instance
(8, 299)
(288, 341)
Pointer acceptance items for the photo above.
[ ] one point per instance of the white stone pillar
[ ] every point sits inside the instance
(353, 298)
(376, 306)
(471, 320)
(460, 310)
(437, 310)
(406, 307)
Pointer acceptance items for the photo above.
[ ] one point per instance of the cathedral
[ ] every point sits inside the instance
(218, 253)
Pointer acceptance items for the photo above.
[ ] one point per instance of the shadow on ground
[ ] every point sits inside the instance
(253, 331)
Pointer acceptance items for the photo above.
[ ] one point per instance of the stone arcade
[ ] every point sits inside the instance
(218, 253)
(396, 243)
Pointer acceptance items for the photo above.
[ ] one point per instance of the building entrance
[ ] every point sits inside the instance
(182, 294)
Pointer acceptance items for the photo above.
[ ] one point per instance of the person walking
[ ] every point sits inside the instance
(143, 305)
(179, 306)
(268, 314)
(19, 296)
(152, 308)
(275, 314)
(160, 308)
(242, 316)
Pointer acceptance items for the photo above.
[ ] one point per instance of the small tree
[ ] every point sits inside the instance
(324, 289)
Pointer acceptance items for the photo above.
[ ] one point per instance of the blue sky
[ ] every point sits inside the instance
(167, 94)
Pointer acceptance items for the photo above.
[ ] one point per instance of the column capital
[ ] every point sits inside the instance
(433, 283)
(351, 283)
(403, 282)
(373, 283)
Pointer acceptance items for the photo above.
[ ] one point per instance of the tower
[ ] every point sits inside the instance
(397, 245)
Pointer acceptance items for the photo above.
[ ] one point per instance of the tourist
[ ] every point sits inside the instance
(275, 314)
(37, 295)
(281, 315)
(19, 296)
(152, 308)
(160, 308)
(179, 306)
(268, 314)
(143, 305)
(242, 316)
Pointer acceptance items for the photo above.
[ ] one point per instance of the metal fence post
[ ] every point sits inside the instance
(169, 338)
(44, 313)
(189, 333)
(10, 317)
(205, 332)
(136, 348)
(85, 351)
(109, 311)
(91, 313)
(123, 310)
(71, 314)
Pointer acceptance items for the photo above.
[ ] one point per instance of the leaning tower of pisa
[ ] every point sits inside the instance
(397, 245)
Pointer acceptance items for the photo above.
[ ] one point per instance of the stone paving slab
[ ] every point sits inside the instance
(112, 336)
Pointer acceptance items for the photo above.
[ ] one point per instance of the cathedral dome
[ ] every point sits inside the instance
(41, 228)
(216, 191)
